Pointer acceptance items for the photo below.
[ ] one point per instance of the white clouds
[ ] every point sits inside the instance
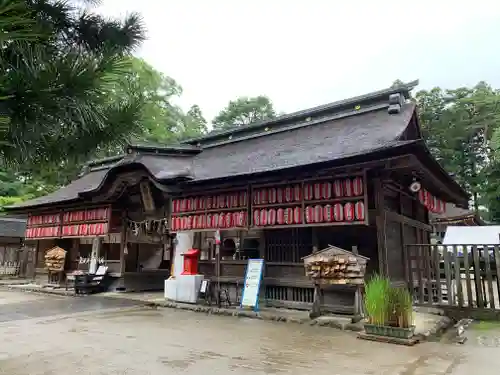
(304, 53)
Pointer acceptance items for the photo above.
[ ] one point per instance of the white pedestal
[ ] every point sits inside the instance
(188, 287)
(171, 289)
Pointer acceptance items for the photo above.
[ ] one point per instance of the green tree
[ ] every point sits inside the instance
(59, 66)
(162, 123)
(244, 111)
(458, 126)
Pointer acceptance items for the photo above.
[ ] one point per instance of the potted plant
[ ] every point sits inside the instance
(389, 310)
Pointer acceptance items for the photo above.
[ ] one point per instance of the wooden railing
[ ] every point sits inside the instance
(454, 275)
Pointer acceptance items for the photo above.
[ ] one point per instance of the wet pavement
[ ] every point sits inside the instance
(93, 335)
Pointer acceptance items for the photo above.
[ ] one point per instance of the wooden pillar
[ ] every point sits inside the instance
(380, 225)
(123, 243)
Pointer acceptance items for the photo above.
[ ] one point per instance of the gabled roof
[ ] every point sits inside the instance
(454, 214)
(334, 132)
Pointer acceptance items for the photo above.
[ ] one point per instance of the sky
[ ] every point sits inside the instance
(306, 53)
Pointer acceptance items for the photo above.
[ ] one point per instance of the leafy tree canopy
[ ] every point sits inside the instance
(244, 111)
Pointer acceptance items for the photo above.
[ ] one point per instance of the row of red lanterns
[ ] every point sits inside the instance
(92, 214)
(313, 214)
(231, 200)
(432, 203)
(95, 229)
(40, 232)
(43, 219)
(209, 221)
(349, 187)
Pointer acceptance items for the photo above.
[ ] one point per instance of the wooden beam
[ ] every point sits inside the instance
(394, 216)
(378, 192)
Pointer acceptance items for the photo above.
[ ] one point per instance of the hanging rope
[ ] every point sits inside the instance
(159, 226)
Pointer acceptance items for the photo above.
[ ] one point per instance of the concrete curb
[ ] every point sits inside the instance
(64, 293)
(323, 321)
(437, 330)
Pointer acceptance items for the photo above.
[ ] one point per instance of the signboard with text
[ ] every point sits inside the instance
(253, 277)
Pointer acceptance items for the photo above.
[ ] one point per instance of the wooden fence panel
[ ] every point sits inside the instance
(455, 275)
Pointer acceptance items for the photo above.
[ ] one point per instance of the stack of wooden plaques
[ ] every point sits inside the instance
(55, 259)
(336, 266)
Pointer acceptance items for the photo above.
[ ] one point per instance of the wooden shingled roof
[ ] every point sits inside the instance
(329, 133)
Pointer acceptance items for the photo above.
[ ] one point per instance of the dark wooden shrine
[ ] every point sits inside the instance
(338, 174)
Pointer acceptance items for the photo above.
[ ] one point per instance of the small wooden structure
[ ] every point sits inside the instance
(55, 259)
(335, 266)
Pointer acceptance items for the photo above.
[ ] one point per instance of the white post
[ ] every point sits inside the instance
(96, 252)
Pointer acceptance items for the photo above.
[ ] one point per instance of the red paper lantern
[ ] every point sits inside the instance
(349, 211)
(297, 215)
(243, 199)
(433, 204)
(309, 214)
(338, 212)
(359, 209)
(308, 192)
(348, 187)
(236, 219)
(337, 188)
(208, 222)
(357, 186)
(228, 220)
(272, 216)
(209, 202)
(318, 214)
(235, 200)
(203, 203)
(288, 215)
(189, 222)
(256, 197)
(263, 217)
(256, 218)
(427, 199)
(280, 198)
(271, 193)
(239, 218)
(326, 190)
(297, 193)
(196, 204)
(280, 216)
(221, 201)
(317, 191)
(327, 213)
(288, 193)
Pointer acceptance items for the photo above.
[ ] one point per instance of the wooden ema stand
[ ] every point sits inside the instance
(336, 266)
(57, 256)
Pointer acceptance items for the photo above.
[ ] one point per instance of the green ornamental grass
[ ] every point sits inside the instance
(377, 300)
(386, 305)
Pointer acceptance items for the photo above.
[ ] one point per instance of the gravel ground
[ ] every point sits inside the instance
(94, 335)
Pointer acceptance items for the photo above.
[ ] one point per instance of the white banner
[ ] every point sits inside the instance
(253, 276)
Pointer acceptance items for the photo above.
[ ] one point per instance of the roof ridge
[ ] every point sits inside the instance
(302, 124)
(403, 88)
